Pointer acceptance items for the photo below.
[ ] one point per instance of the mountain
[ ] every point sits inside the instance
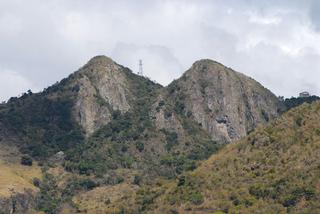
(226, 103)
(107, 130)
(275, 169)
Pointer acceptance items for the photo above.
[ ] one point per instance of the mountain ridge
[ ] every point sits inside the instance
(113, 128)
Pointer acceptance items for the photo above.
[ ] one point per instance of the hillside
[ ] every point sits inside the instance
(104, 129)
(273, 170)
(17, 182)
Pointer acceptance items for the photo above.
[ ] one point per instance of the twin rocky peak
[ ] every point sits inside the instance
(225, 103)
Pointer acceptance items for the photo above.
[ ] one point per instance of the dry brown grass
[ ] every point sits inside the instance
(14, 177)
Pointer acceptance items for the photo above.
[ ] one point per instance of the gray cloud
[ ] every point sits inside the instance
(314, 14)
(158, 62)
(275, 42)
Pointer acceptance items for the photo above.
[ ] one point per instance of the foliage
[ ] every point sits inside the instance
(43, 124)
(52, 196)
(274, 169)
(26, 160)
(296, 101)
(110, 147)
(49, 199)
(171, 139)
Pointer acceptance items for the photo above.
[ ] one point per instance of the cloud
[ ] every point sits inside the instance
(13, 84)
(314, 14)
(158, 62)
(269, 40)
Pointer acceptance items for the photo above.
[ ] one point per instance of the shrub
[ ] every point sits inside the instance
(196, 198)
(297, 194)
(140, 146)
(36, 182)
(137, 180)
(299, 121)
(171, 139)
(167, 114)
(87, 184)
(161, 103)
(26, 160)
(182, 180)
(119, 180)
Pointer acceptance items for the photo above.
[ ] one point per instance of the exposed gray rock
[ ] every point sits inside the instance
(59, 156)
(226, 103)
(103, 87)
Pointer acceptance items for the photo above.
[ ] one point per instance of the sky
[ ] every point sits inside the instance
(276, 42)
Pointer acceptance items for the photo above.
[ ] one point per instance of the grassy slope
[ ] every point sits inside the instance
(275, 169)
(14, 177)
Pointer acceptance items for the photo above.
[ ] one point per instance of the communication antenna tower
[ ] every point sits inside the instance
(140, 72)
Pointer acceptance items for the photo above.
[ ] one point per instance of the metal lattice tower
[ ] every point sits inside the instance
(140, 72)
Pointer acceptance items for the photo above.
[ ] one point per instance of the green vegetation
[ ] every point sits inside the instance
(187, 191)
(49, 199)
(26, 160)
(296, 101)
(52, 196)
(274, 170)
(44, 125)
(146, 197)
(171, 139)
(114, 145)
(120, 143)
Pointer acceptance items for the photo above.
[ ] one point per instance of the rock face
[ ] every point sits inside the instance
(102, 87)
(227, 104)
(224, 102)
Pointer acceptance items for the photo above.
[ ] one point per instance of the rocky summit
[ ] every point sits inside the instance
(105, 140)
(226, 103)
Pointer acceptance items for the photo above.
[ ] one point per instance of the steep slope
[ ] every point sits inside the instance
(273, 170)
(226, 103)
(101, 87)
(62, 115)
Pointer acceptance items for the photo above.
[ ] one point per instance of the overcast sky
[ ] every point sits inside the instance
(277, 42)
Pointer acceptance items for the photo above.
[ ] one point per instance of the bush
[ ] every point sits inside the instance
(161, 103)
(26, 160)
(298, 194)
(196, 198)
(182, 180)
(171, 139)
(87, 184)
(167, 114)
(140, 146)
(36, 182)
(258, 191)
(299, 121)
(137, 180)
(119, 180)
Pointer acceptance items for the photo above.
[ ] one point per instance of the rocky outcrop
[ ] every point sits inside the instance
(102, 87)
(224, 102)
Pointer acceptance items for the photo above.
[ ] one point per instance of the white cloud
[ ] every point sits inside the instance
(158, 62)
(13, 84)
(275, 42)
